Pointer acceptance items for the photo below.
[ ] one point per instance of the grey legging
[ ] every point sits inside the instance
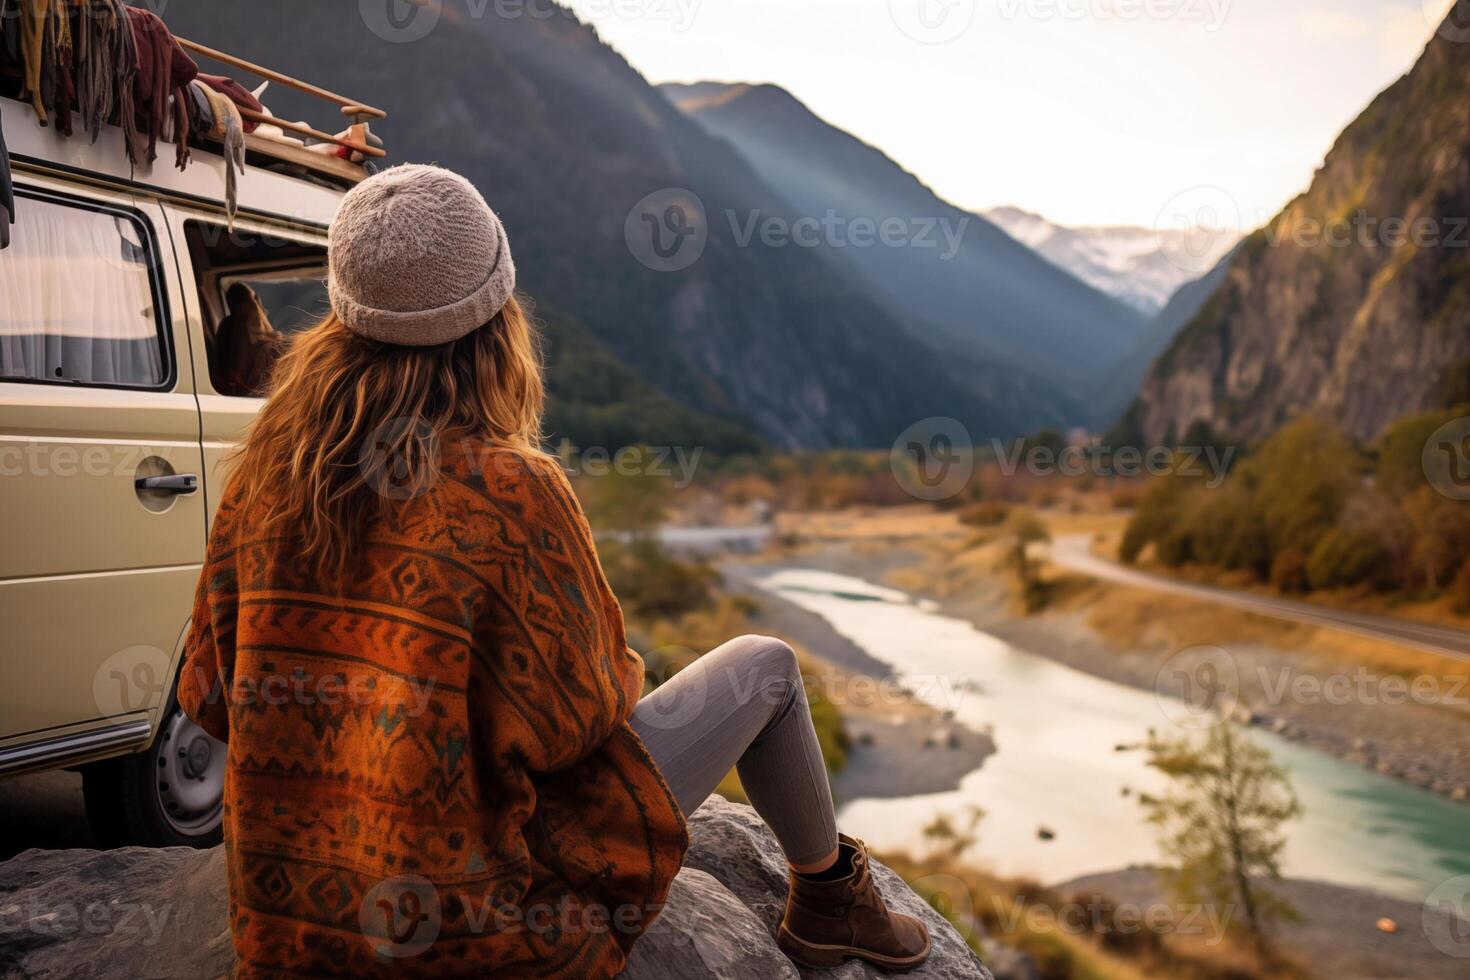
(743, 705)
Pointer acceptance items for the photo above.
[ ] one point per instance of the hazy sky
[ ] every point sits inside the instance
(1087, 111)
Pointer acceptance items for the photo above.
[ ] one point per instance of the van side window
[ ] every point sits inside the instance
(78, 301)
(255, 291)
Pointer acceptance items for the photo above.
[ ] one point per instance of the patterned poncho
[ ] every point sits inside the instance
(430, 771)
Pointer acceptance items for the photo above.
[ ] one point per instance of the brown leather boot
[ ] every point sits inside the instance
(828, 921)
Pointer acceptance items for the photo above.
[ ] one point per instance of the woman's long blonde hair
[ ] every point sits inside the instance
(349, 420)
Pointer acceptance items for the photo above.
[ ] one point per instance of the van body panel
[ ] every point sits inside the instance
(97, 578)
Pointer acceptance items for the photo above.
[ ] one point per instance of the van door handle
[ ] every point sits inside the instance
(177, 483)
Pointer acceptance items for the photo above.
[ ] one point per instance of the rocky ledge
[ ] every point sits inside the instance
(82, 914)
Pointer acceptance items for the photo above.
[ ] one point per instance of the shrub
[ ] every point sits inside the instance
(1400, 452)
(650, 584)
(1460, 589)
(1289, 572)
(1227, 528)
(1345, 558)
(988, 513)
(1157, 514)
(1175, 546)
(1301, 478)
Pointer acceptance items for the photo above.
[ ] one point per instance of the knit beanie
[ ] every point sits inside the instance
(416, 257)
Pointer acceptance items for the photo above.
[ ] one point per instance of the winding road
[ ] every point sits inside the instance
(1074, 552)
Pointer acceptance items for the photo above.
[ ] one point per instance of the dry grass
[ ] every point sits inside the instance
(1139, 619)
(858, 523)
(1439, 611)
(1023, 915)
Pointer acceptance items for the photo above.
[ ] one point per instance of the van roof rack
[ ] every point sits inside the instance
(356, 137)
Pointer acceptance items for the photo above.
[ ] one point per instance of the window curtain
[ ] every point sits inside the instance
(76, 301)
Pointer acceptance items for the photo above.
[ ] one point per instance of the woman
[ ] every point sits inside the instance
(438, 762)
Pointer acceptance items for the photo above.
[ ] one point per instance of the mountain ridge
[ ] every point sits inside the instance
(566, 138)
(1017, 322)
(1143, 267)
(1328, 311)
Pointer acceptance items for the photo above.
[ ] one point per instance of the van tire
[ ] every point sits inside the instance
(128, 798)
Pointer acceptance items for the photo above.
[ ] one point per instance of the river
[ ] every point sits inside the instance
(1057, 764)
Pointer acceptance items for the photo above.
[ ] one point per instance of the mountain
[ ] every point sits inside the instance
(1143, 267)
(1352, 303)
(580, 156)
(1016, 323)
(1161, 330)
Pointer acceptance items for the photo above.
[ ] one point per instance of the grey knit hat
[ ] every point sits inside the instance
(416, 257)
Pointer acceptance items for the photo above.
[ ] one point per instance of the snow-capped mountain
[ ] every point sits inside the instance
(1140, 266)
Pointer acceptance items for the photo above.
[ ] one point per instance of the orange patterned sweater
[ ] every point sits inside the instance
(432, 773)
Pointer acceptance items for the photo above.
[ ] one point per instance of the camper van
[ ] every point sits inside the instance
(139, 311)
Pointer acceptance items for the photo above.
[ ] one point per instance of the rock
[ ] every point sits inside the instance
(83, 914)
(1009, 963)
(705, 931)
(731, 843)
(135, 912)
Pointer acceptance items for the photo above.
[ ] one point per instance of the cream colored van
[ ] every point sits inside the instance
(135, 326)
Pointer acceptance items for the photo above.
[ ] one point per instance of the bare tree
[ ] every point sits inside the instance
(1222, 824)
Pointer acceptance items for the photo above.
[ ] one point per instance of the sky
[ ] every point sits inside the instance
(1141, 112)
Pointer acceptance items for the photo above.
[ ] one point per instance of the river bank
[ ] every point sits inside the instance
(1059, 797)
(1053, 692)
(900, 745)
(1397, 712)
(1401, 714)
(1337, 933)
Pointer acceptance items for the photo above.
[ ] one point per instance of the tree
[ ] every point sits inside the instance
(1022, 530)
(1346, 558)
(1400, 466)
(1163, 508)
(1300, 479)
(1222, 824)
(631, 502)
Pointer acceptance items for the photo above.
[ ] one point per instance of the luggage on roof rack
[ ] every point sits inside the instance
(102, 62)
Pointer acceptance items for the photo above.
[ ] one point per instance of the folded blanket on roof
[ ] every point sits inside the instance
(236, 93)
(32, 21)
(164, 68)
(224, 126)
(58, 61)
(106, 67)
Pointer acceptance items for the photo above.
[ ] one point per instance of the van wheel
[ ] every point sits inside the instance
(171, 795)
